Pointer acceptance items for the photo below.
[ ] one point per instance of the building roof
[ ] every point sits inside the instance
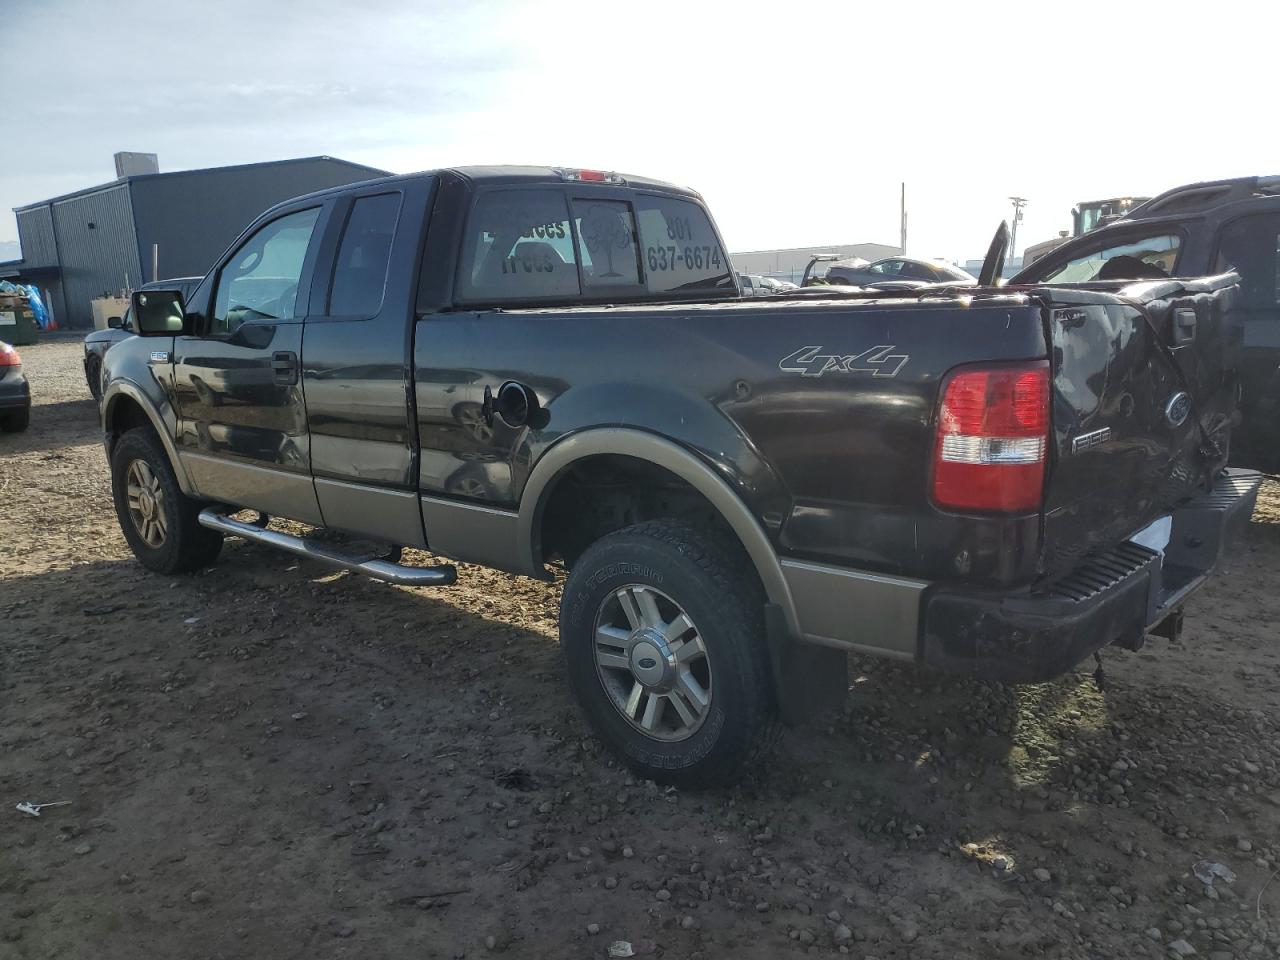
(85, 191)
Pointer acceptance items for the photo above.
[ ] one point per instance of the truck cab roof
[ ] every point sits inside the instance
(509, 175)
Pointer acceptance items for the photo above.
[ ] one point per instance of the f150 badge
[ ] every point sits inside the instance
(878, 361)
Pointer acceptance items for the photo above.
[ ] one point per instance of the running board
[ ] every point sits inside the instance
(441, 576)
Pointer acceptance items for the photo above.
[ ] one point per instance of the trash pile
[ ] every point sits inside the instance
(22, 313)
(10, 300)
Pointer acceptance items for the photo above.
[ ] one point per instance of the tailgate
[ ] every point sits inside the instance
(1144, 391)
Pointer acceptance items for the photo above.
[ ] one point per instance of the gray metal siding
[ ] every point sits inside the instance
(35, 234)
(194, 217)
(98, 259)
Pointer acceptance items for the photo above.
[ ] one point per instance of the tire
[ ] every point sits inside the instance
(691, 571)
(181, 545)
(93, 373)
(15, 422)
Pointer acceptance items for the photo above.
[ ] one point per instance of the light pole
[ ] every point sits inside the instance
(1018, 204)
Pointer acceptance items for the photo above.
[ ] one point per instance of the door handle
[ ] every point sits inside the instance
(284, 364)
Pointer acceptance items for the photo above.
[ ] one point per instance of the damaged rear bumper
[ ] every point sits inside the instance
(1116, 597)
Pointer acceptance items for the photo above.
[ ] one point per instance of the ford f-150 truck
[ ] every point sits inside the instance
(532, 368)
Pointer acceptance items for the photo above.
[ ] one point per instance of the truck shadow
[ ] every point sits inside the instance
(409, 696)
(55, 426)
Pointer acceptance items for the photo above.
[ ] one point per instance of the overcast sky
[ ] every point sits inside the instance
(796, 121)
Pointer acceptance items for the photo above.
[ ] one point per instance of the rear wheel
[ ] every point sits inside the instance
(15, 422)
(663, 634)
(158, 520)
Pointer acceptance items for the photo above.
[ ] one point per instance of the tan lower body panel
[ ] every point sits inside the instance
(852, 610)
(278, 492)
(375, 512)
(473, 533)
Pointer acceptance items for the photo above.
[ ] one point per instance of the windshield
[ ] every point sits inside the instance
(1148, 258)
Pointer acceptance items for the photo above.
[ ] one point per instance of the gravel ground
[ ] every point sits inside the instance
(272, 760)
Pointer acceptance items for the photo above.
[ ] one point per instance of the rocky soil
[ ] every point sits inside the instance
(272, 760)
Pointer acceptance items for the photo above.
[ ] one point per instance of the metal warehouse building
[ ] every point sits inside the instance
(99, 240)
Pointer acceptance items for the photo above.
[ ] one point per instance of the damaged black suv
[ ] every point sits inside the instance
(1197, 230)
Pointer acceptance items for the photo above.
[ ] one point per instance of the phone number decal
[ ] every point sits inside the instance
(684, 258)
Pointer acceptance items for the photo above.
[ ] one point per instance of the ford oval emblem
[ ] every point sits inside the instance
(1177, 409)
(647, 663)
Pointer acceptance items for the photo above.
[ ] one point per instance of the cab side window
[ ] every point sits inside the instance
(260, 281)
(360, 272)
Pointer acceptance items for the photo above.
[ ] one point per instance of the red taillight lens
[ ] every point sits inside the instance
(9, 356)
(993, 428)
(590, 176)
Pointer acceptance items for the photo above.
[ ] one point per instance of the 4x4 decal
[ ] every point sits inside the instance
(878, 361)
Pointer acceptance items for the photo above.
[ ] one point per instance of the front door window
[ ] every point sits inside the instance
(260, 282)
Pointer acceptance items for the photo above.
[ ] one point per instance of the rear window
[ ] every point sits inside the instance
(681, 250)
(607, 240)
(518, 246)
(545, 245)
(1150, 258)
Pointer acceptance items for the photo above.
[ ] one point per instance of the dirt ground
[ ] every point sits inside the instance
(270, 760)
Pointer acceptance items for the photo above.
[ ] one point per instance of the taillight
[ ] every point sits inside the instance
(993, 430)
(9, 356)
(590, 176)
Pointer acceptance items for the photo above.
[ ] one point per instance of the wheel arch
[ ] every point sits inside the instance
(125, 406)
(553, 465)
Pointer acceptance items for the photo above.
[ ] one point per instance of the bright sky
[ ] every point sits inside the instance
(796, 121)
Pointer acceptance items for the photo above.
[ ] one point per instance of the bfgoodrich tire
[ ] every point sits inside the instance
(156, 517)
(663, 636)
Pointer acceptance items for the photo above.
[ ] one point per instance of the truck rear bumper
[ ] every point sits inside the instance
(1116, 597)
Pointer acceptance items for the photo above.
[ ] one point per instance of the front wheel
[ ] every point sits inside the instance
(158, 520)
(662, 630)
(93, 374)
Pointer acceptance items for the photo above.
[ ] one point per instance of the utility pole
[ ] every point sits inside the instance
(902, 236)
(1018, 204)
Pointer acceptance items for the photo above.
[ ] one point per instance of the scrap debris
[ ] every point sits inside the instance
(33, 809)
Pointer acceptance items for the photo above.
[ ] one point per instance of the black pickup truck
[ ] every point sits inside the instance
(531, 368)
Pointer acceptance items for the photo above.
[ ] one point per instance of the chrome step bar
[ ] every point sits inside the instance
(441, 576)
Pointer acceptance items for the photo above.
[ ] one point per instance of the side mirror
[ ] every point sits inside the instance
(114, 323)
(158, 313)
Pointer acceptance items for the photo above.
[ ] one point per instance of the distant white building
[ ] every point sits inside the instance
(1011, 266)
(789, 264)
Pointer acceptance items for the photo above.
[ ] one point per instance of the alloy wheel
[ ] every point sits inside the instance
(652, 662)
(146, 502)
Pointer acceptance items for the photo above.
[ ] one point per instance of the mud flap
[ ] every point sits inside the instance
(808, 680)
